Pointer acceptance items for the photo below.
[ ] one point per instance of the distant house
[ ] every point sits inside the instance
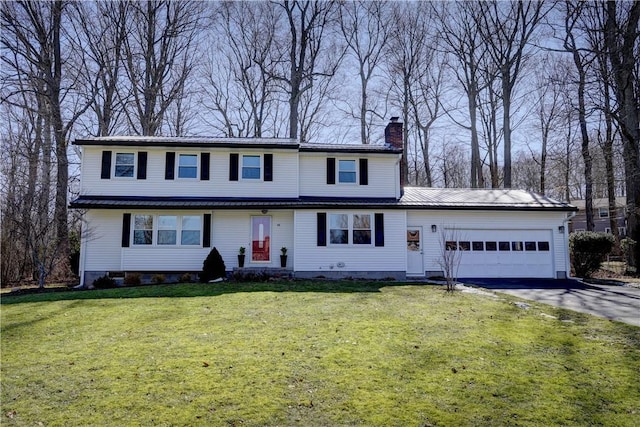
(159, 204)
(601, 216)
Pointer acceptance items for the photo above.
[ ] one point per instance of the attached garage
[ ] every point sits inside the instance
(504, 253)
(498, 233)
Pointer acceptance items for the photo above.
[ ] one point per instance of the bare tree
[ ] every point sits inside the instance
(507, 29)
(159, 58)
(304, 56)
(450, 256)
(549, 111)
(459, 32)
(239, 86)
(581, 62)
(364, 27)
(33, 34)
(101, 31)
(405, 58)
(621, 41)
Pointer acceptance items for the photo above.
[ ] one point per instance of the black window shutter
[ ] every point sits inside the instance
(233, 166)
(268, 167)
(142, 165)
(364, 172)
(206, 231)
(105, 173)
(170, 165)
(322, 229)
(331, 170)
(379, 224)
(126, 229)
(204, 166)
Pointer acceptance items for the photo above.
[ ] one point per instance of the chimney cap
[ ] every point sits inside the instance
(394, 119)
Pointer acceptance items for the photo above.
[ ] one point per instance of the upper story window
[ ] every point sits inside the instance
(250, 167)
(603, 212)
(124, 165)
(188, 166)
(347, 171)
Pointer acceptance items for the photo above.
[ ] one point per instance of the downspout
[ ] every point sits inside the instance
(83, 247)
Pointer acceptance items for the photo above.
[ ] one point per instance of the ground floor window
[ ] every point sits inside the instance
(350, 228)
(143, 230)
(167, 230)
(261, 238)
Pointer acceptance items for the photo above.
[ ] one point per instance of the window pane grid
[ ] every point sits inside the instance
(188, 166)
(251, 167)
(362, 229)
(347, 171)
(167, 228)
(124, 165)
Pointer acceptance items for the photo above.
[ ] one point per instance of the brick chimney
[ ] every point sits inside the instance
(393, 133)
(393, 138)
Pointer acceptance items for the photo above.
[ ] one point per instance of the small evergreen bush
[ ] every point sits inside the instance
(588, 250)
(213, 267)
(104, 282)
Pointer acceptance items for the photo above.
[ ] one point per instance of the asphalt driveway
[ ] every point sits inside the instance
(621, 303)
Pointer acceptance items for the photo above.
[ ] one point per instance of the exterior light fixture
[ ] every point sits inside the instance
(434, 228)
(264, 211)
(561, 229)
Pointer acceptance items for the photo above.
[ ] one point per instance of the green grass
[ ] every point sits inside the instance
(310, 354)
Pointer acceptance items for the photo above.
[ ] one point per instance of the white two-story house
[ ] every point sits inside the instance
(159, 204)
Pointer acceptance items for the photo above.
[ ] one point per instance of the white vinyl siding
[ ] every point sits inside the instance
(383, 176)
(284, 184)
(101, 238)
(344, 258)
(495, 229)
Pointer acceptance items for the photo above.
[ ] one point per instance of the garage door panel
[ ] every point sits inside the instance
(523, 253)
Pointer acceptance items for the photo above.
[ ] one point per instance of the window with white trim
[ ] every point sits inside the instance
(361, 229)
(167, 229)
(190, 232)
(187, 166)
(338, 229)
(347, 229)
(603, 212)
(251, 167)
(124, 165)
(143, 229)
(347, 171)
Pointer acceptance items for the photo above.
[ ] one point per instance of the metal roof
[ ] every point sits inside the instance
(119, 202)
(162, 141)
(472, 198)
(413, 198)
(282, 143)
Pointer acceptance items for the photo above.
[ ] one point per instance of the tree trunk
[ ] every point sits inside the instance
(506, 125)
(62, 175)
(623, 62)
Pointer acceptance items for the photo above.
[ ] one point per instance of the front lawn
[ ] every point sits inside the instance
(310, 354)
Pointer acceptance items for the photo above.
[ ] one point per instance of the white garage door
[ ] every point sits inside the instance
(504, 253)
